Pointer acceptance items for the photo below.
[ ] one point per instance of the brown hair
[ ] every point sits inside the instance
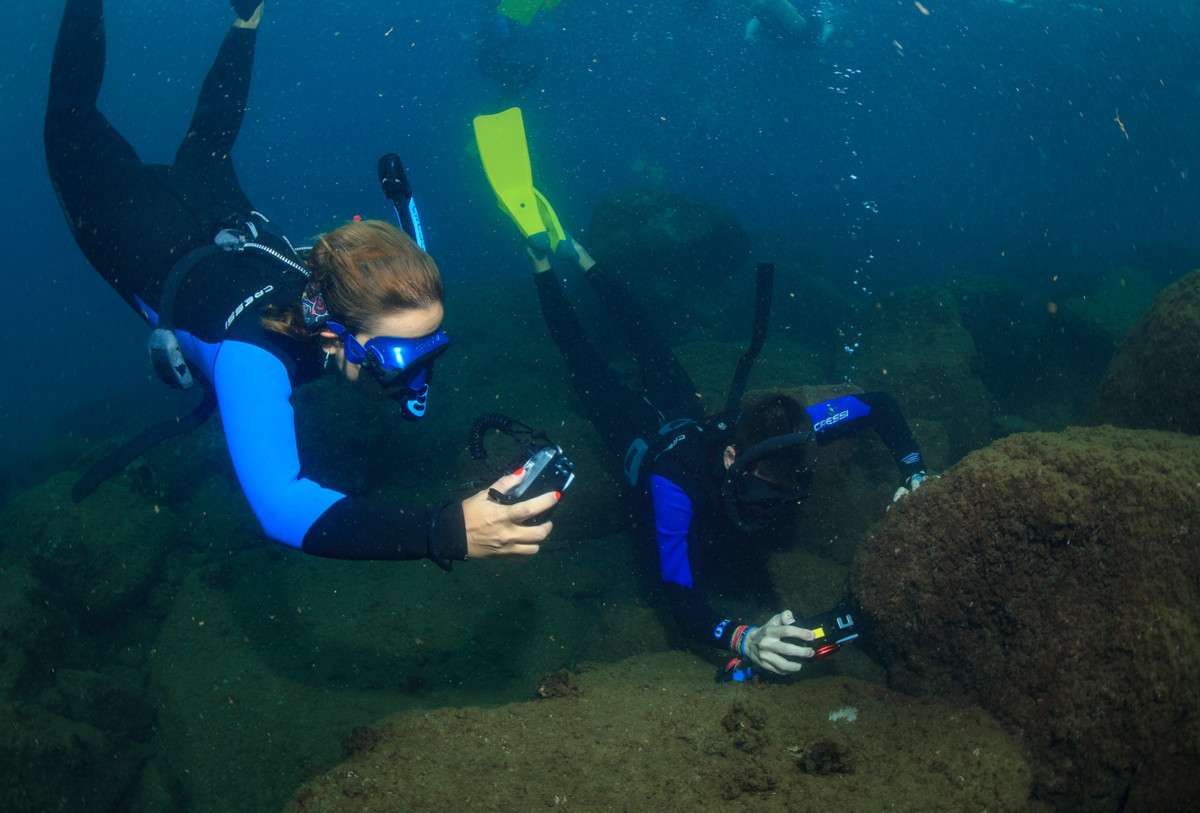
(363, 271)
(769, 416)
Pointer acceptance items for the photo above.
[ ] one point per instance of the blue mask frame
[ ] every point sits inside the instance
(402, 366)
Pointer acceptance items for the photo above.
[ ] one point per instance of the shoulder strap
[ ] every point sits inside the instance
(254, 232)
(165, 354)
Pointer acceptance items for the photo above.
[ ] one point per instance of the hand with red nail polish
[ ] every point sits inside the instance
(494, 530)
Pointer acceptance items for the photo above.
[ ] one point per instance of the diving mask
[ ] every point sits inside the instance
(751, 501)
(401, 366)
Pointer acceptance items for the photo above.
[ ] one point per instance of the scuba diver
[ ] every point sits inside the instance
(251, 317)
(709, 479)
(782, 19)
(781, 22)
(498, 57)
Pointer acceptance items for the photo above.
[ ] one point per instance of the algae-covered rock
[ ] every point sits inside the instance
(1055, 579)
(98, 557)
(1153, 381)
(916, 349)
(53, 763)
(654, 233)
(655, 733)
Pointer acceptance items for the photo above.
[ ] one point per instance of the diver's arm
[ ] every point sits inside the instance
(839, 417)
(254, 394)
(672, 524)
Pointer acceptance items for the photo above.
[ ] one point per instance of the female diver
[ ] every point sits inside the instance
(253, 318)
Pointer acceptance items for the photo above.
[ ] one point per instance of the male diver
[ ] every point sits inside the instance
(710, 480)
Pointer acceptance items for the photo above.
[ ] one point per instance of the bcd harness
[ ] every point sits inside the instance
(165, 354)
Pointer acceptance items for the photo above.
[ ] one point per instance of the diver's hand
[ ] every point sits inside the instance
(494, 530)
(775, 643)
(911, 485)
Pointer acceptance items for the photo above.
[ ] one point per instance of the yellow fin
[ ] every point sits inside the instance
(523, 11)
(505, 157)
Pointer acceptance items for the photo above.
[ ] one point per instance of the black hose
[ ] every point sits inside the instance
(762, 316)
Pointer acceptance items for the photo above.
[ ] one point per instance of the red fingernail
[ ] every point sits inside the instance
(558, 495)
(519, 471)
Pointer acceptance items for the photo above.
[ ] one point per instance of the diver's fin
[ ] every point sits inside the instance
(505, 156)
(554, 229)
(523, 11)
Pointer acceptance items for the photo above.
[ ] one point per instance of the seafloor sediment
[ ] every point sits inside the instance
(657, 733)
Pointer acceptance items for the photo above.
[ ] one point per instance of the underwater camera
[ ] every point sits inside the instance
(832, 629)
(547, 468)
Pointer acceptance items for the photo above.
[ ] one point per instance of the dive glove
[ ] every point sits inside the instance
(911, 485)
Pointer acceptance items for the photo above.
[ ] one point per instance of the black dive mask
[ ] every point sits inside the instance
(751, 502)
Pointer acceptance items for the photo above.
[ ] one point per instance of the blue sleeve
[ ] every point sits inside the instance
(673, 515)
(254, 395)
(840, 417)
(672, 519)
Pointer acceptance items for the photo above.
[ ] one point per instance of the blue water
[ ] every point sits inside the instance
(1015, 139)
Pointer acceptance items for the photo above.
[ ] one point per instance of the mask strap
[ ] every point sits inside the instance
(315, 312)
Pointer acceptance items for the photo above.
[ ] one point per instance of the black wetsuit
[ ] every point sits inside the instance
(135, 221)
(683, 467)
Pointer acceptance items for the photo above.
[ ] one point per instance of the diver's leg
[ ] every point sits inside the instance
(124, 222)
(616, 412)
(78, 65)
(220, 110)
(663, 377)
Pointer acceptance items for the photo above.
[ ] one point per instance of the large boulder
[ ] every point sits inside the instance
(1153, 381)
(1055, 579)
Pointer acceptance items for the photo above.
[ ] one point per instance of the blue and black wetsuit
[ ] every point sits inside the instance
(689, 519)
(683, 473)
(134, 221)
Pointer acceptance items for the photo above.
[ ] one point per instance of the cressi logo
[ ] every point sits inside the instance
(832, 419)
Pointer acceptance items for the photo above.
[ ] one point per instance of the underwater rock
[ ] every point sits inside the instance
(1055, 579)
(1008, 336)
(653, 233)
(1153, 381)
(916, 349)
(98, 557)
(656, 733)
(52, 763)
(74, 738)
(34, 634)
(1112, 307)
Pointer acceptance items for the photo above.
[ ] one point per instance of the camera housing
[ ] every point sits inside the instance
(832, 629)
(546, 470)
